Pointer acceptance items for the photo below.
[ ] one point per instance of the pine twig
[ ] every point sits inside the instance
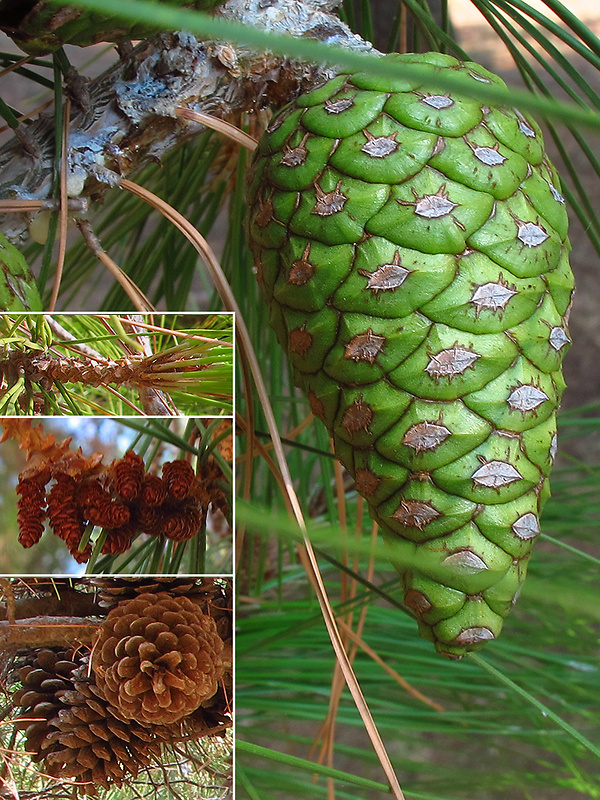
(127, 127)
(47, 632)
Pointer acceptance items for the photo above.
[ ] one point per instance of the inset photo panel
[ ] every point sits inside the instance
(117, 687)
(158, 365)
(114, 496)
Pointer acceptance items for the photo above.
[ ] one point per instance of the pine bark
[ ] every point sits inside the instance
(125, 118)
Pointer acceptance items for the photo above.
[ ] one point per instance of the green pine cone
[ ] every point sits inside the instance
(412, 247)
(18, 291)
(41, 27)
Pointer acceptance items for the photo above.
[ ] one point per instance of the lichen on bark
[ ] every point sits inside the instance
(128, 118)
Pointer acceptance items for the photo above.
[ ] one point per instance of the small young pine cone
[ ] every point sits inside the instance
(65, 517)
(150, 520)
(179, 477)
(32, 510)
(38, 400)
(183, 522)
(154, 490)
(84, 370)
(118, 540)
(128, 475)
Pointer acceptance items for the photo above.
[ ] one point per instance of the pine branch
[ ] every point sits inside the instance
(70, 603)
(129, 118)
(47, 632)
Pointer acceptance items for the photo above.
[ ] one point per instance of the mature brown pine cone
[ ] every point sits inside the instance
(77, 733)
(91, 744)
(157, 658)
(214, 716)
(43, 679)
(114, 590)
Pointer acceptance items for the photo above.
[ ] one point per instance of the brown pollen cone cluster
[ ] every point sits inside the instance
(122, 498)
(64, 517)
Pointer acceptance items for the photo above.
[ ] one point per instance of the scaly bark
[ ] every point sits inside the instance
(128, 117)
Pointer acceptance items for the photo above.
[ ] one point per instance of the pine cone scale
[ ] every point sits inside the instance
(101, 731)
(87, 758)
(166, 641)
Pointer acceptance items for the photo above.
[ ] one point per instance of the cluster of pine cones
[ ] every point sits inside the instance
(157, 672)
(123, 499)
